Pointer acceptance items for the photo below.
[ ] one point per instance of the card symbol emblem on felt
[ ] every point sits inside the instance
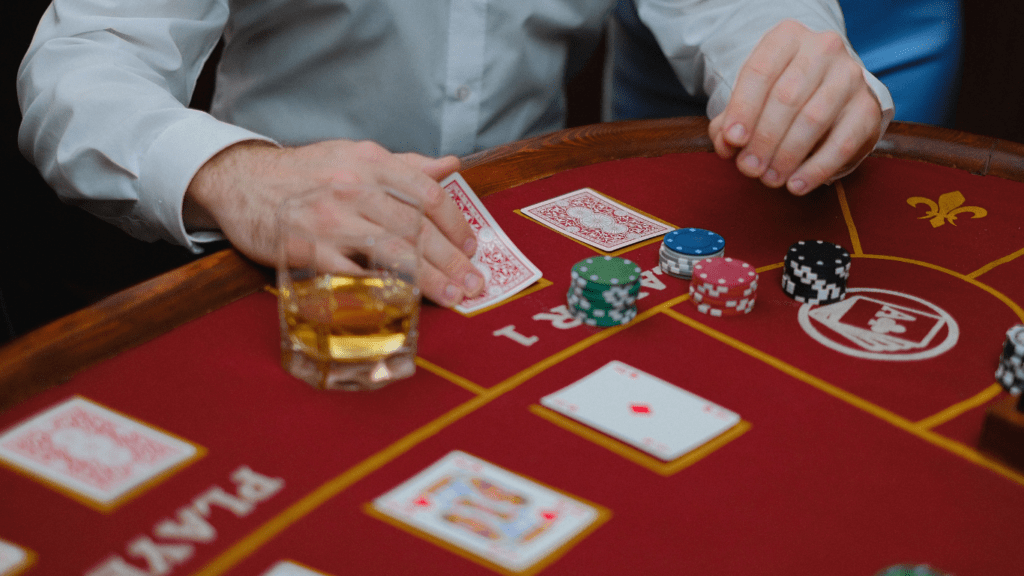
(595, 219)
(12, 558)
(674, 421)
(92, 451)
(946, 210)
(506, 270)
(881, 324)
(495, 515)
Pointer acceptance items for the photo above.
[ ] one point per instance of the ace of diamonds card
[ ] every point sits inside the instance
(642, 410)
(498, 517)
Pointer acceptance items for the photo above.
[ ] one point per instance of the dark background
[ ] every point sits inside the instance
(55, 259)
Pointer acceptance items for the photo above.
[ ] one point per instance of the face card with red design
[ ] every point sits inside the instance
(595, 219)
(642, 410)
(92, 451)
(501, 517)
(505, 269)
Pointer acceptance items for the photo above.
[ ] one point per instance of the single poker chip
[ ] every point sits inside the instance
(818, 254)
(694, 242)
(605, 271)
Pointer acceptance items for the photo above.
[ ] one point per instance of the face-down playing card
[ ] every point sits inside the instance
(595, 219)
(642, 410)
(495, 515)
(92, 452)
(506, 270)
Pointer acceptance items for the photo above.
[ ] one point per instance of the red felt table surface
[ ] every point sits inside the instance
(850, 464)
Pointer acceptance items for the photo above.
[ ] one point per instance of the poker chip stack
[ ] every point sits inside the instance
(603, 291)
(683, 248)
(723, 287)
(816, 271)
(1010, 373)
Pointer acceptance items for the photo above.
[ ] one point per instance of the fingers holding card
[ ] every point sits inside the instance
(505, 269)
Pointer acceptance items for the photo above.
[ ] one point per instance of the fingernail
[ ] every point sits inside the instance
(469, 248)
(737, 133)
(797, 186)
(473, 282)
(771, 176)
(751, 162)
(452, 294)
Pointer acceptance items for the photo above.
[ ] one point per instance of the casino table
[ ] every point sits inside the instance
(853, 454)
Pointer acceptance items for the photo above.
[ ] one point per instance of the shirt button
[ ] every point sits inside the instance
(463, 93)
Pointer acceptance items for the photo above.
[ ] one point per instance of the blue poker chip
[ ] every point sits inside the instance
(694, 242)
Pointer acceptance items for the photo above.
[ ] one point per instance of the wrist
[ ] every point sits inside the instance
(217, 181)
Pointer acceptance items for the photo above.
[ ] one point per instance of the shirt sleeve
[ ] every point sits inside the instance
(707, 41)
(104, 89)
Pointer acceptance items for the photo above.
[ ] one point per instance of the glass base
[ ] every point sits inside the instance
(349, 376)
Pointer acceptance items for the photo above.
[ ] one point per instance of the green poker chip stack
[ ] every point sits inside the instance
(603, 291)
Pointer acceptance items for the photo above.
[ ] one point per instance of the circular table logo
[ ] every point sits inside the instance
(881, 324)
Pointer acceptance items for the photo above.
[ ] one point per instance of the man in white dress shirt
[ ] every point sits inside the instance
(310, 93)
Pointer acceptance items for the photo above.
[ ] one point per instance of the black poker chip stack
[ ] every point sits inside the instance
(816, 271)
(1010, 373)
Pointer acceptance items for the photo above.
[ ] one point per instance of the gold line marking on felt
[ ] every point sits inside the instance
(848, 216)
(896, 420)
(635, 455)
(960, 407)
(540, 284)
(966, 278)
(988, 267)
(450, 376)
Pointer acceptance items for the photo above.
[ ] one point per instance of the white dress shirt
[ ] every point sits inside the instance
(104, 86)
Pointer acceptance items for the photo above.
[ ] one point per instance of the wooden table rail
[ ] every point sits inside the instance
(54, 353)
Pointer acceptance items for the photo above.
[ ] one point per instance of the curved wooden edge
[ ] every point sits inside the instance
(981, 155)
(57, 351)
(527, 160)
(520, 162)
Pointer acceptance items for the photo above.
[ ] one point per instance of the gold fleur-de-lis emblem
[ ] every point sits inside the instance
(950, 204)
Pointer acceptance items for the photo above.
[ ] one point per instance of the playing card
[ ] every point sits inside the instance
(488, 511)
(505, 269)
(596, 220)
(92, 451)
(641, 410)
(12, 558)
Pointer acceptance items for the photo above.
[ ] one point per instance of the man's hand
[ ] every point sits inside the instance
(801, 111)
(238, 192)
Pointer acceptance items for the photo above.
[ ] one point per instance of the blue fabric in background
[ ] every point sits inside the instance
(913, 46)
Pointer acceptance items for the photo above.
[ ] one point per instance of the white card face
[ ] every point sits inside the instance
(92, 451)
(642, 411)
(505, 269)
(484, 509)
(11, 558)
(597, 220)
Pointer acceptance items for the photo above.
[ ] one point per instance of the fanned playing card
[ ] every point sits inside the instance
(487, 511)
(642, 410)
(505, 269)
(595, 219)
(92, 451)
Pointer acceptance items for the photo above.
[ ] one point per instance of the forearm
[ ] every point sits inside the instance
(105, 118)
